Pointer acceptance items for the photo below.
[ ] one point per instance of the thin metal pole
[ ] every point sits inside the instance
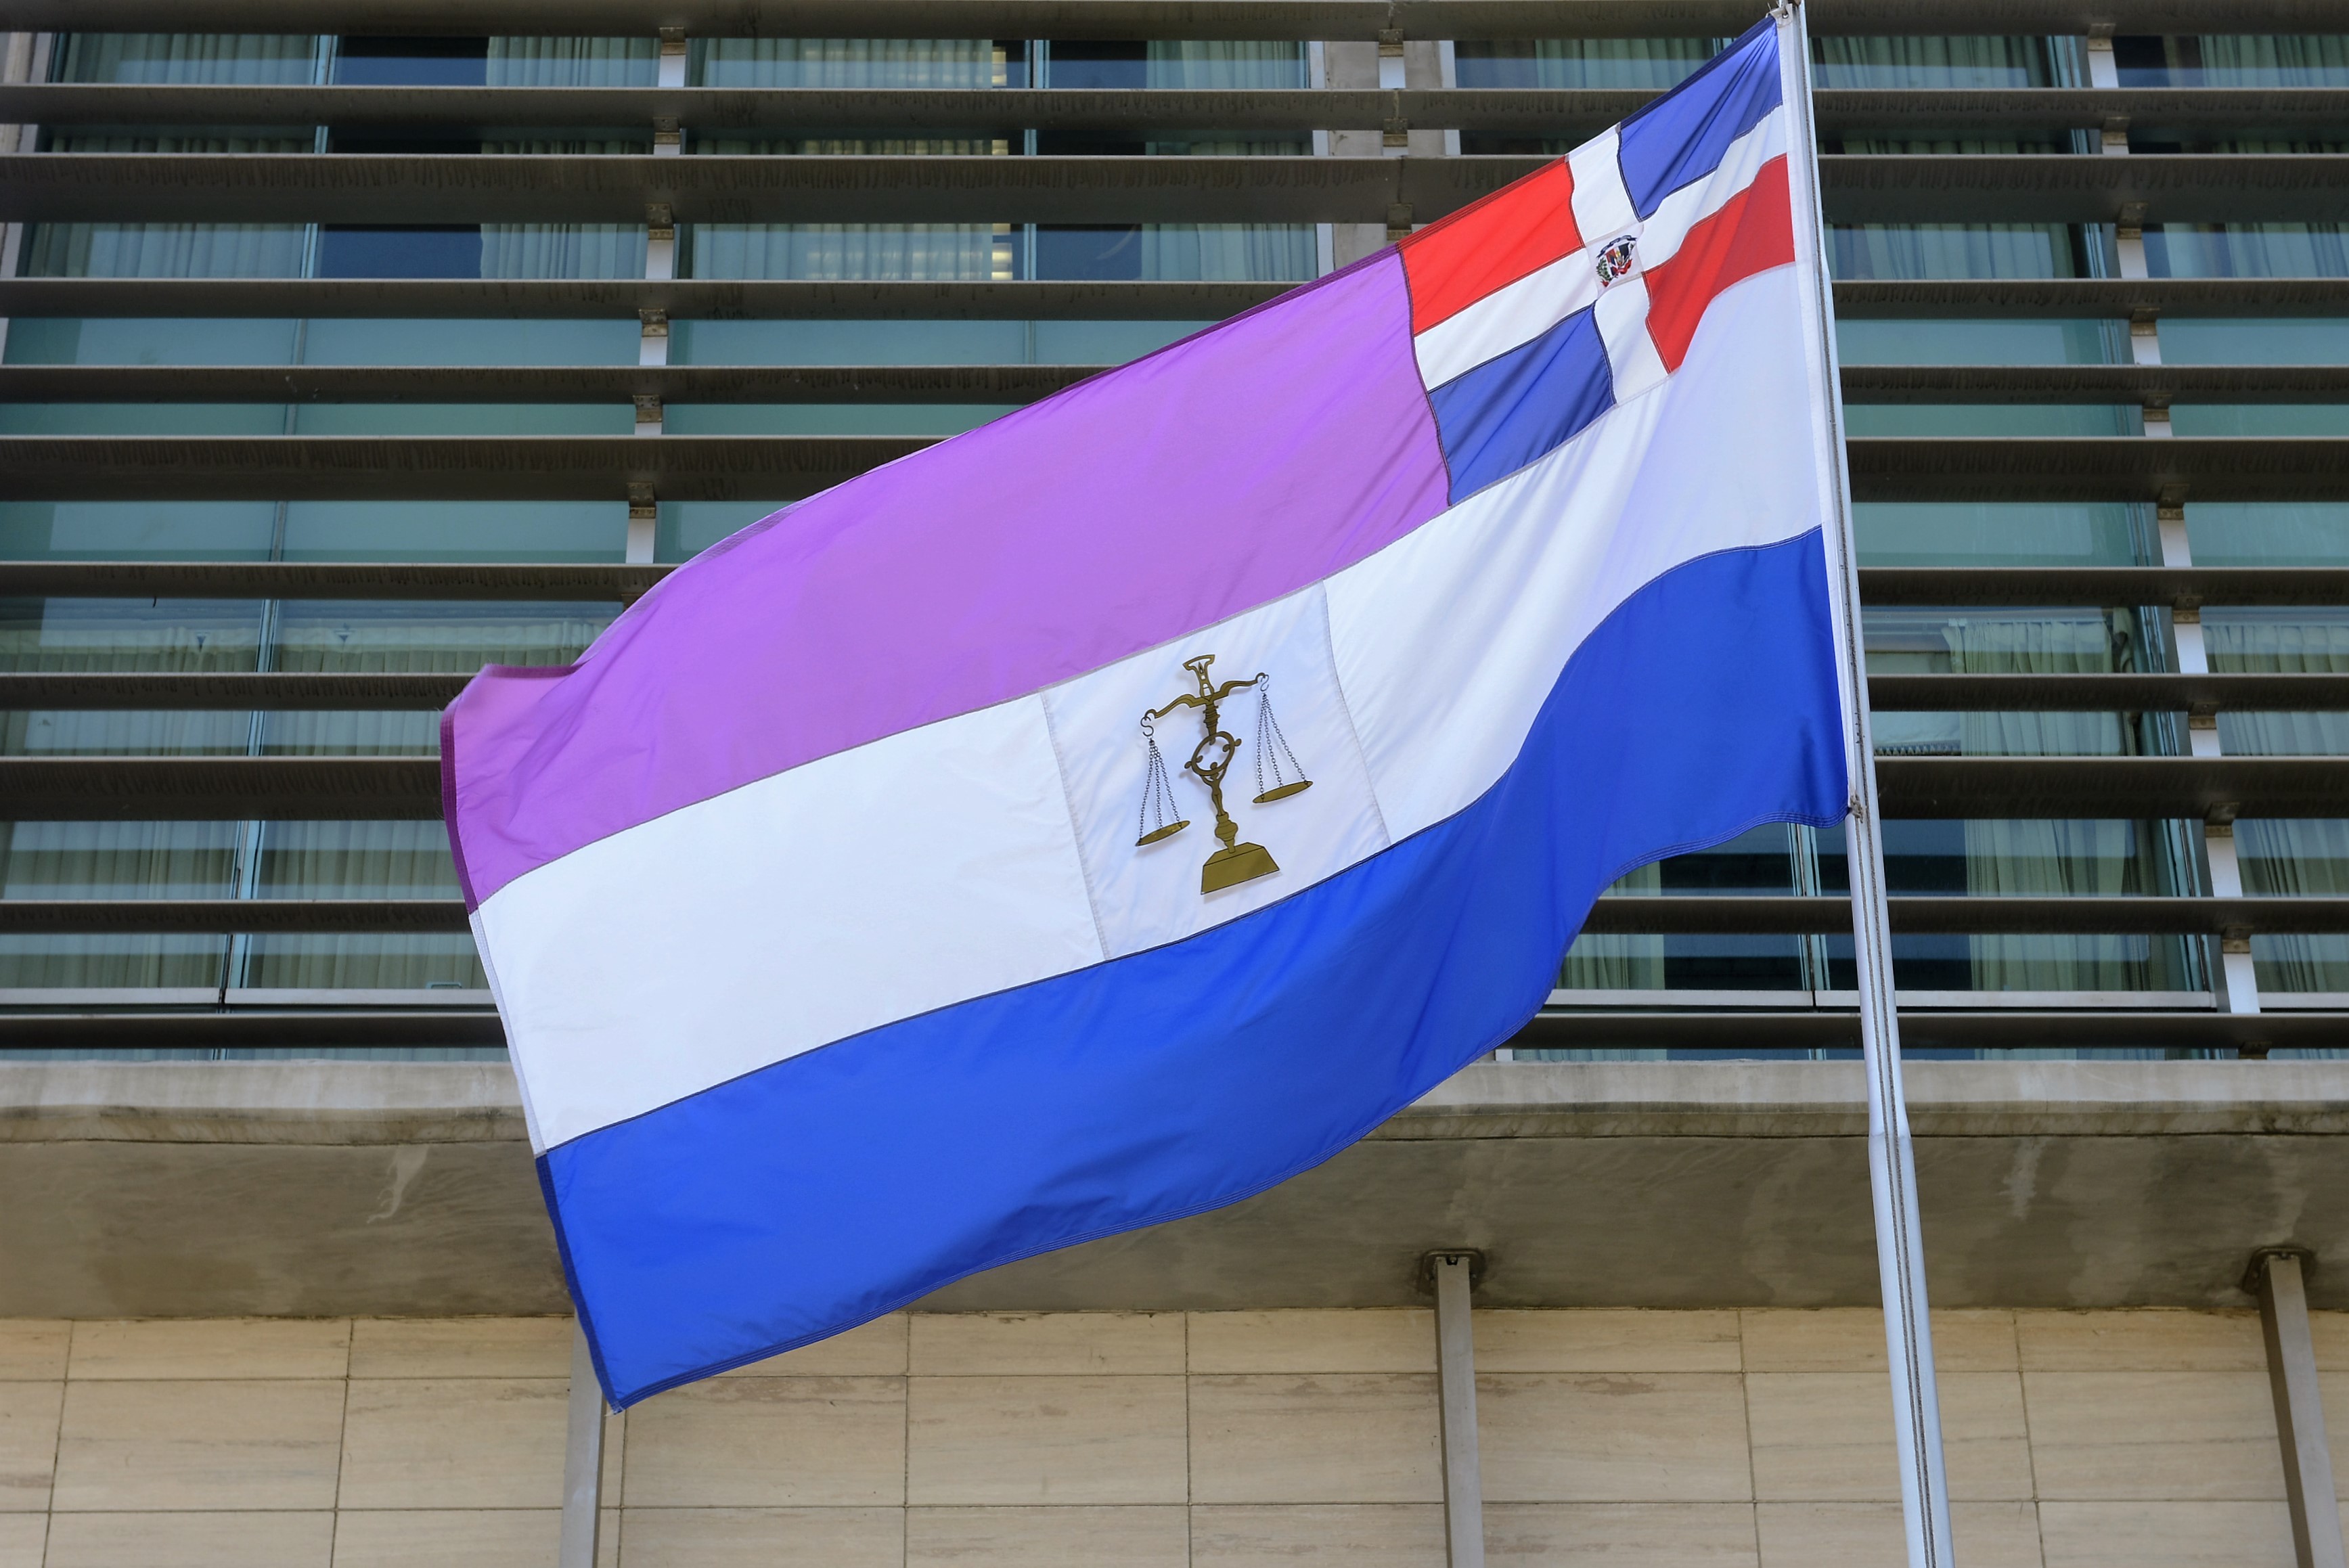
(583, 1461)
(2278, 1279)
(1891, 1158)
(1455, 1369)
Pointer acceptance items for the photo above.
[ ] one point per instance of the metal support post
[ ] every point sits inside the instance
(1455, 1275)
(2277, 1277)
(583, 1461)
(1892, 1156)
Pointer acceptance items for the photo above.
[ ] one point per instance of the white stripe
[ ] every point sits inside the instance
(1720, 460)
(996, 849)
(1530, 307)
(1602, 202)
(1622, 319)
(928, 867)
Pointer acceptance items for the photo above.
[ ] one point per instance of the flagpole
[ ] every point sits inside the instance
(1892, 1156)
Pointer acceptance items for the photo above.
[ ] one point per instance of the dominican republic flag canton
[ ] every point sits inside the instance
(1109, 813)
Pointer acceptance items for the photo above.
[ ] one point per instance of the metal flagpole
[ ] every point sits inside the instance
(1891, 1158)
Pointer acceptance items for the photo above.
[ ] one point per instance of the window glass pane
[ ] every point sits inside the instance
(2235, 341)
(2268, 533)
(1985, 342)
(463, 419)
(136, 529)
(2284, 857)
(1655, 63)
(2234, 61)
(116, 859)
(131, 340)
(828, 419)
(399, 251)
(2260, 418)
(2024, 642)
(1952, 251)
(460, 638)
(359, 860)
(572, 62)
(849, 342)
(1995, 533)
(243, 60)
(1992, 420)
(1760, 861)
(687, 528)
(365, 341)
(455, 530)
(910, 252)
(168, 636)
(1966, 62)
(2018, 858)
(848, 63)
(142, 419)
(2247, 250)
(163, 251)
(412, 62)
(2281, 640)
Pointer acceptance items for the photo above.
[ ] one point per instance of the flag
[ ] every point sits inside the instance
(1108, 813)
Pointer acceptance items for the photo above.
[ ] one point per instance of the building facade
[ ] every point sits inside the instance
(340, 363)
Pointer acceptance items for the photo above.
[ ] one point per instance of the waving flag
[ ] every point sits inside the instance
(1109, 813)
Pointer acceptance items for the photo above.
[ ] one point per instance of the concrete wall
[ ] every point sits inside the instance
(1703, 1438)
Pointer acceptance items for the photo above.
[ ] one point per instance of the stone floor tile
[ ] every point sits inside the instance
(1825, 1436)
(32, 1350)
(228, 1444)
(2166, 1534)
(460, 1348)
(766, 1443)
(1358, 1536)
(1365, 1339)
(761, 1537)
(1345, 1436)
(455, 1442)
(1008, 1440)
(2110, 1437)
(1601, 1340)
(447, 1538)
(1872, 1535)
(1620, 1535)
(211, 1348)
(1620, 1436)
(1138, 1537)
(2142, 1339)
(224, 1540)
(24, 1538)
(29, 1443)
(1851, 1339)
(875, 1349)
(961, 1343)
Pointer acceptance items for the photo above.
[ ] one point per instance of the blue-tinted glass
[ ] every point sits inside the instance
(2268, 533)
(1993, 419)
(1094, 64)
(1076, 253)
(2260, 418)
(365, 251)
(2237, 341)
(1985, 342)
(464, 419)
(1993, 533)
(142, 419)
(455, 530)
(687, 528)
(368, 341)
(138, 340)
(136, 530)
(829, 419)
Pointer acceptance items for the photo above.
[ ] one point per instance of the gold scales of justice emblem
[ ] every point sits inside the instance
(1210, 761)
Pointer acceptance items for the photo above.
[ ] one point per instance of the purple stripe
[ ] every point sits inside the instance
(1212, 477)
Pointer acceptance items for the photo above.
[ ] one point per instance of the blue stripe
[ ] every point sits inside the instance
(808, 1196)
(1681, 137)
(1495, 419)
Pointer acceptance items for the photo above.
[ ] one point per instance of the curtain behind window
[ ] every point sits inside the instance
(844, 63)
(1566, 63)
(1918, 251)
(574, 62)
(1632, 962)
(2247, 250)
(1968, 62)
(2250, 61)
(2284, 857)
(568, 250)
(1188, 63)
(2280, 640)
(116, 859)
(239, 59)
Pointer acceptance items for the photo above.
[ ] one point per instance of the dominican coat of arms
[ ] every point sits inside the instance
(1615, 259)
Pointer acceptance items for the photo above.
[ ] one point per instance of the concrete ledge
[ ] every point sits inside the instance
(331, 1188)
